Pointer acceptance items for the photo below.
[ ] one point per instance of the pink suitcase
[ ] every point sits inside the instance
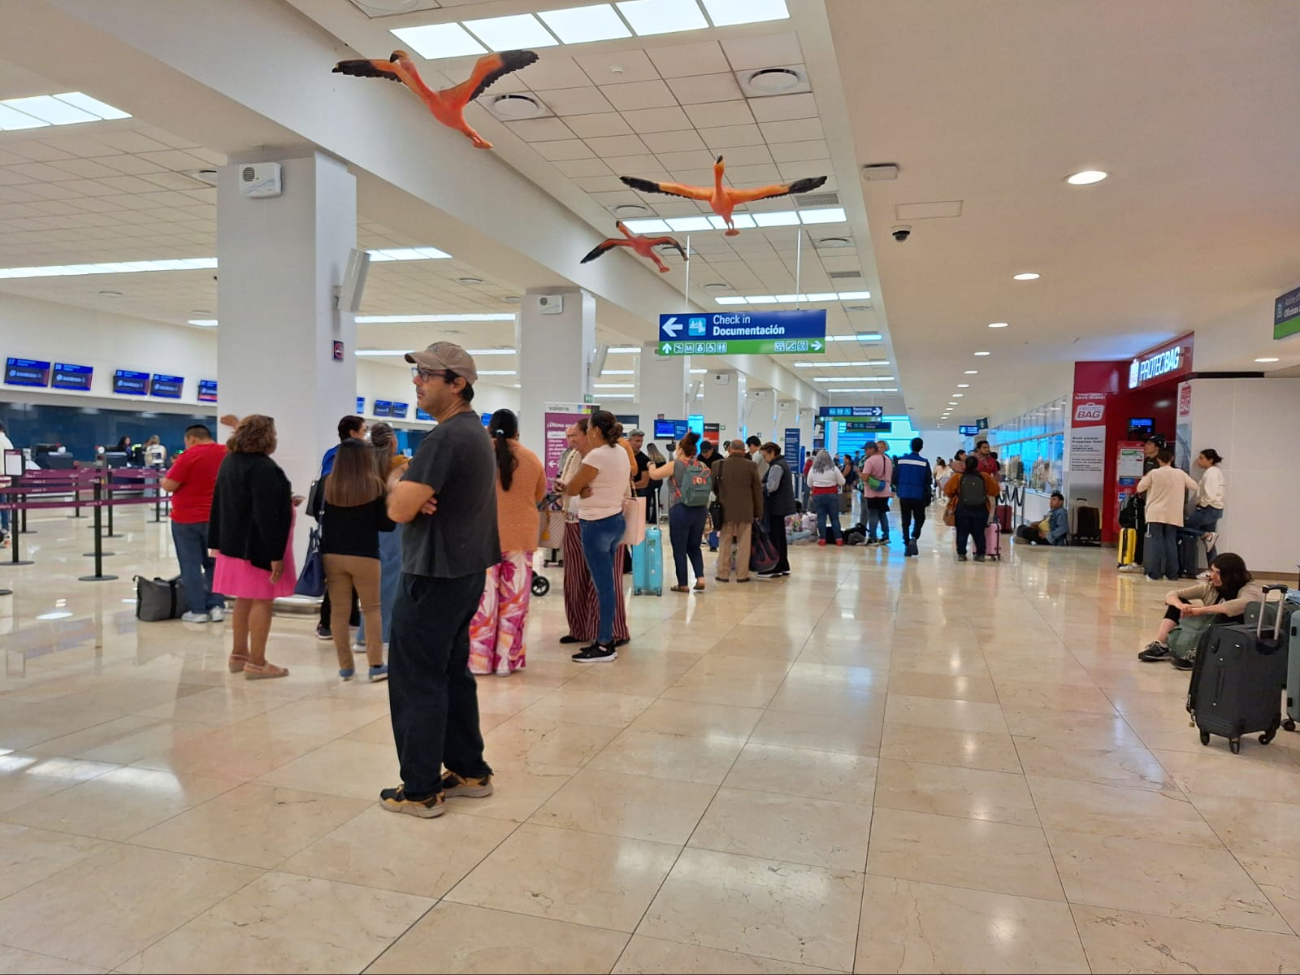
(993, 542)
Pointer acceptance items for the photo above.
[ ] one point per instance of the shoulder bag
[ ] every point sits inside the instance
(311, 580)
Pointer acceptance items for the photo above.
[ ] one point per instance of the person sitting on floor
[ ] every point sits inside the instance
(1227, 593)
(1052, 530)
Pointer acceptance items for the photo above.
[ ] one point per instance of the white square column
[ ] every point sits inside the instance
(556, 338)
(665, 381)
(279, 260)
(724, 401)
(761, 415)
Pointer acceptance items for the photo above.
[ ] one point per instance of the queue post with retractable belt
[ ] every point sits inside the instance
(7, 495)
(99, 541)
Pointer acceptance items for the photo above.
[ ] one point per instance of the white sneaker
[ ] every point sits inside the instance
(217, 614)
(1210, 538)
(1131, 567)
(195, 618)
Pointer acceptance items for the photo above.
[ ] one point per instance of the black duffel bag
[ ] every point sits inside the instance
(159, 599)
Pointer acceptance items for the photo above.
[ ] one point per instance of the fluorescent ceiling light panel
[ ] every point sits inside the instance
(47, 108)
(1026, 276)
(855, 296)
(689, 224)
(413, 319)
(726, 13)
(409, 254)
(497, 372)
(1268, 358)
(439, 41)
(972, 372)
(824, 296)
(126, 267)
(649, 17)
(823, 215)
(618, 372)
(94, 106)
(740, 221)
(519, 32)
(698, 372)
(729, 301)
(11, 120)
(863, 389)
(609, 385)
(625, 349)
(617, 396)
(490, 351)
(860, 337)
(205, 322)
(761, 299)
(777, 218)
(578, 25)
(647, 226)
(854, 379)
(841, 365)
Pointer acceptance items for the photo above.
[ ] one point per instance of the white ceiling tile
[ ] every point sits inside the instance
(600, 184)
(566, 149)
(635, 165)
(695, 177)
(780, 108)
(583, 167)
(177, 181)
(658, 119)
(667, 206)
(763, 52)
(130, 141)
(640, 94)
(38, 172)
(731, 135)
(748, 156)
(540, 130)
(618, 145)
(576, 101)
(53, 191)
(614, 199)
(85, 168)
(210, 157)
(79, 145)
(174, 159)
(694, 159)
(720, 113)
(127, 184)
(130, 165)
(705, 88)
(796, 151)
(90, 187)
(36, 151)
(753, 175)
(601, 124)
(674, 141)
(9, 159)
(167, 138)
(796, 130)
(553, 72)
(617, 66)
(808, 167)
(705, 57)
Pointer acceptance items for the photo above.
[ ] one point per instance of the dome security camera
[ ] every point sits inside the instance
(901, 234)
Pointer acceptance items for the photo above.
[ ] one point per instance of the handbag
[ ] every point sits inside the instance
(159, 599)
(950, 514)
(311, 580)
(1186, 639)
(633, 517)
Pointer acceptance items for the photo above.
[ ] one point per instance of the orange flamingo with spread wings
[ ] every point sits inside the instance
(642, 245)
(723, 199)
(448, 105)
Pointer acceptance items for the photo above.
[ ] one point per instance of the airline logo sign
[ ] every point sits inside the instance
(1153, 366)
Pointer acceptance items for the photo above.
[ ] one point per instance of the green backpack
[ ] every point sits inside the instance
(1189, 636)
(695, 486)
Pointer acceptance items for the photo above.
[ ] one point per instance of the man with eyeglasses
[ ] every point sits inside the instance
(447, 499)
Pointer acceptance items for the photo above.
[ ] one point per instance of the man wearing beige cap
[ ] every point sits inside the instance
(447, 500)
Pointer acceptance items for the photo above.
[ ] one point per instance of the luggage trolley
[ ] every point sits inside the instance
(550, 538)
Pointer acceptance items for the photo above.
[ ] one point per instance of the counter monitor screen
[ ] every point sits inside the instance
(167, 387)
(27, 372)
(131, 383)
(207, 390)
(400, 410)
(383, 407)
(421, 415)
(68, 376)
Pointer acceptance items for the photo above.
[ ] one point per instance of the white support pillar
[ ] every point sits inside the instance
(279, 261)
(664, 384)
(762, 418)
(724, 401)
(555, 351)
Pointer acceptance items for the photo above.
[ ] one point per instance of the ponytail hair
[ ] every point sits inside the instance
(1212, 455)
(689, 445)
(611, 431)
(504, 426)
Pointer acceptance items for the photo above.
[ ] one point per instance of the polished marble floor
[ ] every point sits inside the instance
(876, 765)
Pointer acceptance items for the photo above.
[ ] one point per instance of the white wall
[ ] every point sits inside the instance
(1247, 421)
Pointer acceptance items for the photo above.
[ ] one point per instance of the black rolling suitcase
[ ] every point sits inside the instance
(1236, 686)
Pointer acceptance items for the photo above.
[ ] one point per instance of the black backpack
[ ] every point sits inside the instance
(972, 490)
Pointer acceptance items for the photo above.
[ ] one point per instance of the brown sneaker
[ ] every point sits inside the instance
(396, 800)
(454, 785)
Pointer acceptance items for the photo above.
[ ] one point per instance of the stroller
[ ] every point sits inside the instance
(550, 538)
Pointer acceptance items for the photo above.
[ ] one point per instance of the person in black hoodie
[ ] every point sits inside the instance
(354, 512)
(251, 529)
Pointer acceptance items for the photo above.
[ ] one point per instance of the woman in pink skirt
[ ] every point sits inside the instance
(251, 529)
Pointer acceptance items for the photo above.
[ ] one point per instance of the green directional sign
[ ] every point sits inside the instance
(744, 347)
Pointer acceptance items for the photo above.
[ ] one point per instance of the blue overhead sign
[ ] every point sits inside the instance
(848, 412)
(743, 332)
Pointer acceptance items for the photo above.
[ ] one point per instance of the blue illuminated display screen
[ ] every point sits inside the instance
(167, 387)
(361, 404)
(383, 407)
(207, 390)
(421, 415)
(400, 410)
(27, 372)
(68, 376)
(131, 383)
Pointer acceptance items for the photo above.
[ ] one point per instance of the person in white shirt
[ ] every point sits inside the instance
(603, 481)
(1165, 488)
(1209, 509)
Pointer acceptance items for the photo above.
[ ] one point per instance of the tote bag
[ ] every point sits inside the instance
(633, 517)
(311, 580)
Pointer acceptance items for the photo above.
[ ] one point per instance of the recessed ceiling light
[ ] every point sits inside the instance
(773, 81)
(1086, 176)
(470, 280)
(833, 242)
(958, 395)
(580, 25)
(440, 41)
(648, 17)
(998, 324)
(972, 372)
(1267, 358)
(204, 322)
(516, 105)
(952, 404)
(963, 385)
(629, 209)
(1026, 276)
(983, 353)
(111, 294)
(717, 286)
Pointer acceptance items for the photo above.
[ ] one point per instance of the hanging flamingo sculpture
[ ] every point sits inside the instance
(644, 246)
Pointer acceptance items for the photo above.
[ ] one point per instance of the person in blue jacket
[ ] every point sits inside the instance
(1057, 525)
(914, 488)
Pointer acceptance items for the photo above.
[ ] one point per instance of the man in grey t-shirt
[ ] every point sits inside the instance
(447, 500)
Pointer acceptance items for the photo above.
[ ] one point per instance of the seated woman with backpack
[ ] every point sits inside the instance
(688, 505)
(1223, 597)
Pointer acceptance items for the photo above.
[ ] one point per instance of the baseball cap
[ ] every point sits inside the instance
(446, 355)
